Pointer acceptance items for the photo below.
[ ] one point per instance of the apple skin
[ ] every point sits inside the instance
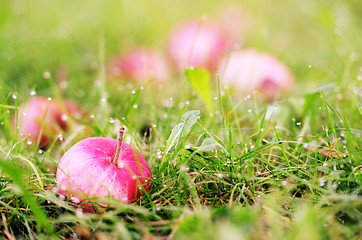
(86, 171)
(142, 64)
(31, 117)
(198, 44)
(249, 70)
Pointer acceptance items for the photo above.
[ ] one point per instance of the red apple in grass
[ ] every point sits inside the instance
(142, 64)
(42, 115)
(103, 167)
(198, 43)
(249, 70)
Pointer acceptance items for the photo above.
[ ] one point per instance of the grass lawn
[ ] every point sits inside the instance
(240, 168)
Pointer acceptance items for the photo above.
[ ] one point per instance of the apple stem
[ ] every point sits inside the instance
(115, 160)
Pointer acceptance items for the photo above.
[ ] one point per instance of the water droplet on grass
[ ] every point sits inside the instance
(14, 96)
(60, 137)
(29, 142)
(111, 120)
(133, 91)
(219, 175)
(61, 197)
(322, 181)
(32, 93)
(79, 212)
(135, 106)
(46, 74)
(64, 117)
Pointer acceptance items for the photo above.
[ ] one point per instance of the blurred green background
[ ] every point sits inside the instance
(39, 35)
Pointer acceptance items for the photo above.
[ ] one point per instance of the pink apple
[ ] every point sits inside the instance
(103, 167)
(197, 43)
(141, 64)
(249, 70)
(234, 20)
(49, 114)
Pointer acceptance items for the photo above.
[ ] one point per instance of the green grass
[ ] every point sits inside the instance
(290, 169)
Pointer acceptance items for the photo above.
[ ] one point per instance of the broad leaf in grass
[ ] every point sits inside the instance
(188, 120)
(210, 144)
(200, 82)
(174, 136)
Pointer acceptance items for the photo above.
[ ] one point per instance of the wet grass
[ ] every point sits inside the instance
(247, 169)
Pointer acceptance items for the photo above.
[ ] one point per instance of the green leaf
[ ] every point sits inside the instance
(188, 120)
(200, 82)
(209, 144)
(174, 136)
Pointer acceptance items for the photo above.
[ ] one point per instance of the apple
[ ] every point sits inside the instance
(103, 167)
(235, 20)
(141, 64)
(197, 44)
(249, 70)
(45, 116)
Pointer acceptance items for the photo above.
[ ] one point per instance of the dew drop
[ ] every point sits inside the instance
(61, 197)
(133, 91)
(64, 117)
(219, 175)
(135, 106)
(60, 137)
(32, 93)
(49, 99)
(46, 74)
(14, 96)
(29, 142)
(79, 212)
(111, 120)
(309, 66)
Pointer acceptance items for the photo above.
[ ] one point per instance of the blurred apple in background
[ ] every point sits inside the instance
(46, 116)
(235, 21)
(198, 43)
(248, 70)
(141, 64)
